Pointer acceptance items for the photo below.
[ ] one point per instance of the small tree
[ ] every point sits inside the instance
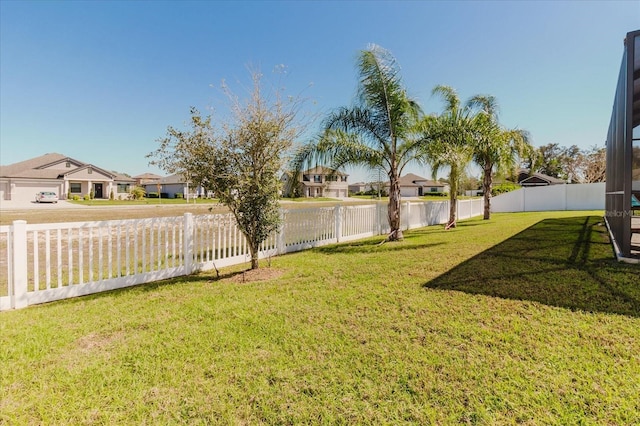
(448, 143)
(240, 160)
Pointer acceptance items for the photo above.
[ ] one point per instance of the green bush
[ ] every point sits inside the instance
(86, 197)
(178, 195)
(75, 197)
(137, 193)
(152, 195)
(504, 187)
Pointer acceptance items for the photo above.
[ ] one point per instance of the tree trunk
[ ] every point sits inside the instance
(486, 189)
(453, 198)
(393, 209)
(254, 255)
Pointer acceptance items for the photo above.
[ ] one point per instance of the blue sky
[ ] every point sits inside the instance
(101, 81)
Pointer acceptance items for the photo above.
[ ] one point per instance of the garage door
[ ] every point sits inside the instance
(24, 192)
(3, 190)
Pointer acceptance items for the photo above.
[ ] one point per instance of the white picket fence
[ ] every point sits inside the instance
(45, 262)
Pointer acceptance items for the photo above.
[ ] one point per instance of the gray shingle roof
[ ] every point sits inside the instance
(34, 168)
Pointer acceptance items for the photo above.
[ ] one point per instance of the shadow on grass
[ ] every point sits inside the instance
(565, 262)
(377, 245)
(189, 280)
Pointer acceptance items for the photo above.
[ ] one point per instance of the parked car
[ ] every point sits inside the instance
(46, 197)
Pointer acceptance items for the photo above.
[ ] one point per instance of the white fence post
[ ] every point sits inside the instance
(338, 212)
(281, 247)
(19, 244)
(188, 243)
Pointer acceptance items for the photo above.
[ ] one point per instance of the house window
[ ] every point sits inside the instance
(123, 188)
(317, 179)
(90, 170)
(68, 165)
(434, 189)
(75, 188)
(332, 178)
(343, 178)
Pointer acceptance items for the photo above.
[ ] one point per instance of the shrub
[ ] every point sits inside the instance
(504, 187)
(91, 195)
(111, 197)
(152, 195)
(75, 197)
(137, 193)
(178, 195)
(86, 197)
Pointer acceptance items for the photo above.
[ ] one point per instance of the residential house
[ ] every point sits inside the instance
(318, 182)
(147, 179)
(174, 184)
(525, 178)
(354, 188)
(63, 175)
(412, 185)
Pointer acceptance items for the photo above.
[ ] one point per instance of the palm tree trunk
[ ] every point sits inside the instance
(393, 209)
(453, 198)
(486, 189)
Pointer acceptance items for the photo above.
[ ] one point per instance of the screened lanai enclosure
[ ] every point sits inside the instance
(623, 156)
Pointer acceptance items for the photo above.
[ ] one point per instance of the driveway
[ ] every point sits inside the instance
(32, 205)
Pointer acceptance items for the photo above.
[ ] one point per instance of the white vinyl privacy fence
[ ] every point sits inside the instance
(45, 262)
(586, 196)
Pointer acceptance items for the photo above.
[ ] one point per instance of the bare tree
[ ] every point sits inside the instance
(594, 165)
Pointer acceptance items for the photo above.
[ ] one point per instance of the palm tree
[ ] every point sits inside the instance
(448, 142)
(380, 131)
(496, 149)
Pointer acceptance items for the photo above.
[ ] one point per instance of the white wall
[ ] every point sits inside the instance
(588, 196)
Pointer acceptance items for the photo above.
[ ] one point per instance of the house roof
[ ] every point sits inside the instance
(413, 180)
(429, 182)
(537, 177)
(321, 170)
(172, 179)
(148, 176)
(37, 168)
(29, 168)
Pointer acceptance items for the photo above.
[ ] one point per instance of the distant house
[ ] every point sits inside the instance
(317, 182)
(412, 185)
(537, 179)
(147, 179)
(174, 184)
(63, 175)
(359, 187)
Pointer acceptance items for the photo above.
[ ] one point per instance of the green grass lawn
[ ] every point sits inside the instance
(144, 202)
(308, 199)
(525, 318)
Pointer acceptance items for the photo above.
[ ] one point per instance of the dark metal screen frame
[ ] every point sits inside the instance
(620, 152)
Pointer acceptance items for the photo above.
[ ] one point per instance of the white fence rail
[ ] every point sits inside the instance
(45, 262)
